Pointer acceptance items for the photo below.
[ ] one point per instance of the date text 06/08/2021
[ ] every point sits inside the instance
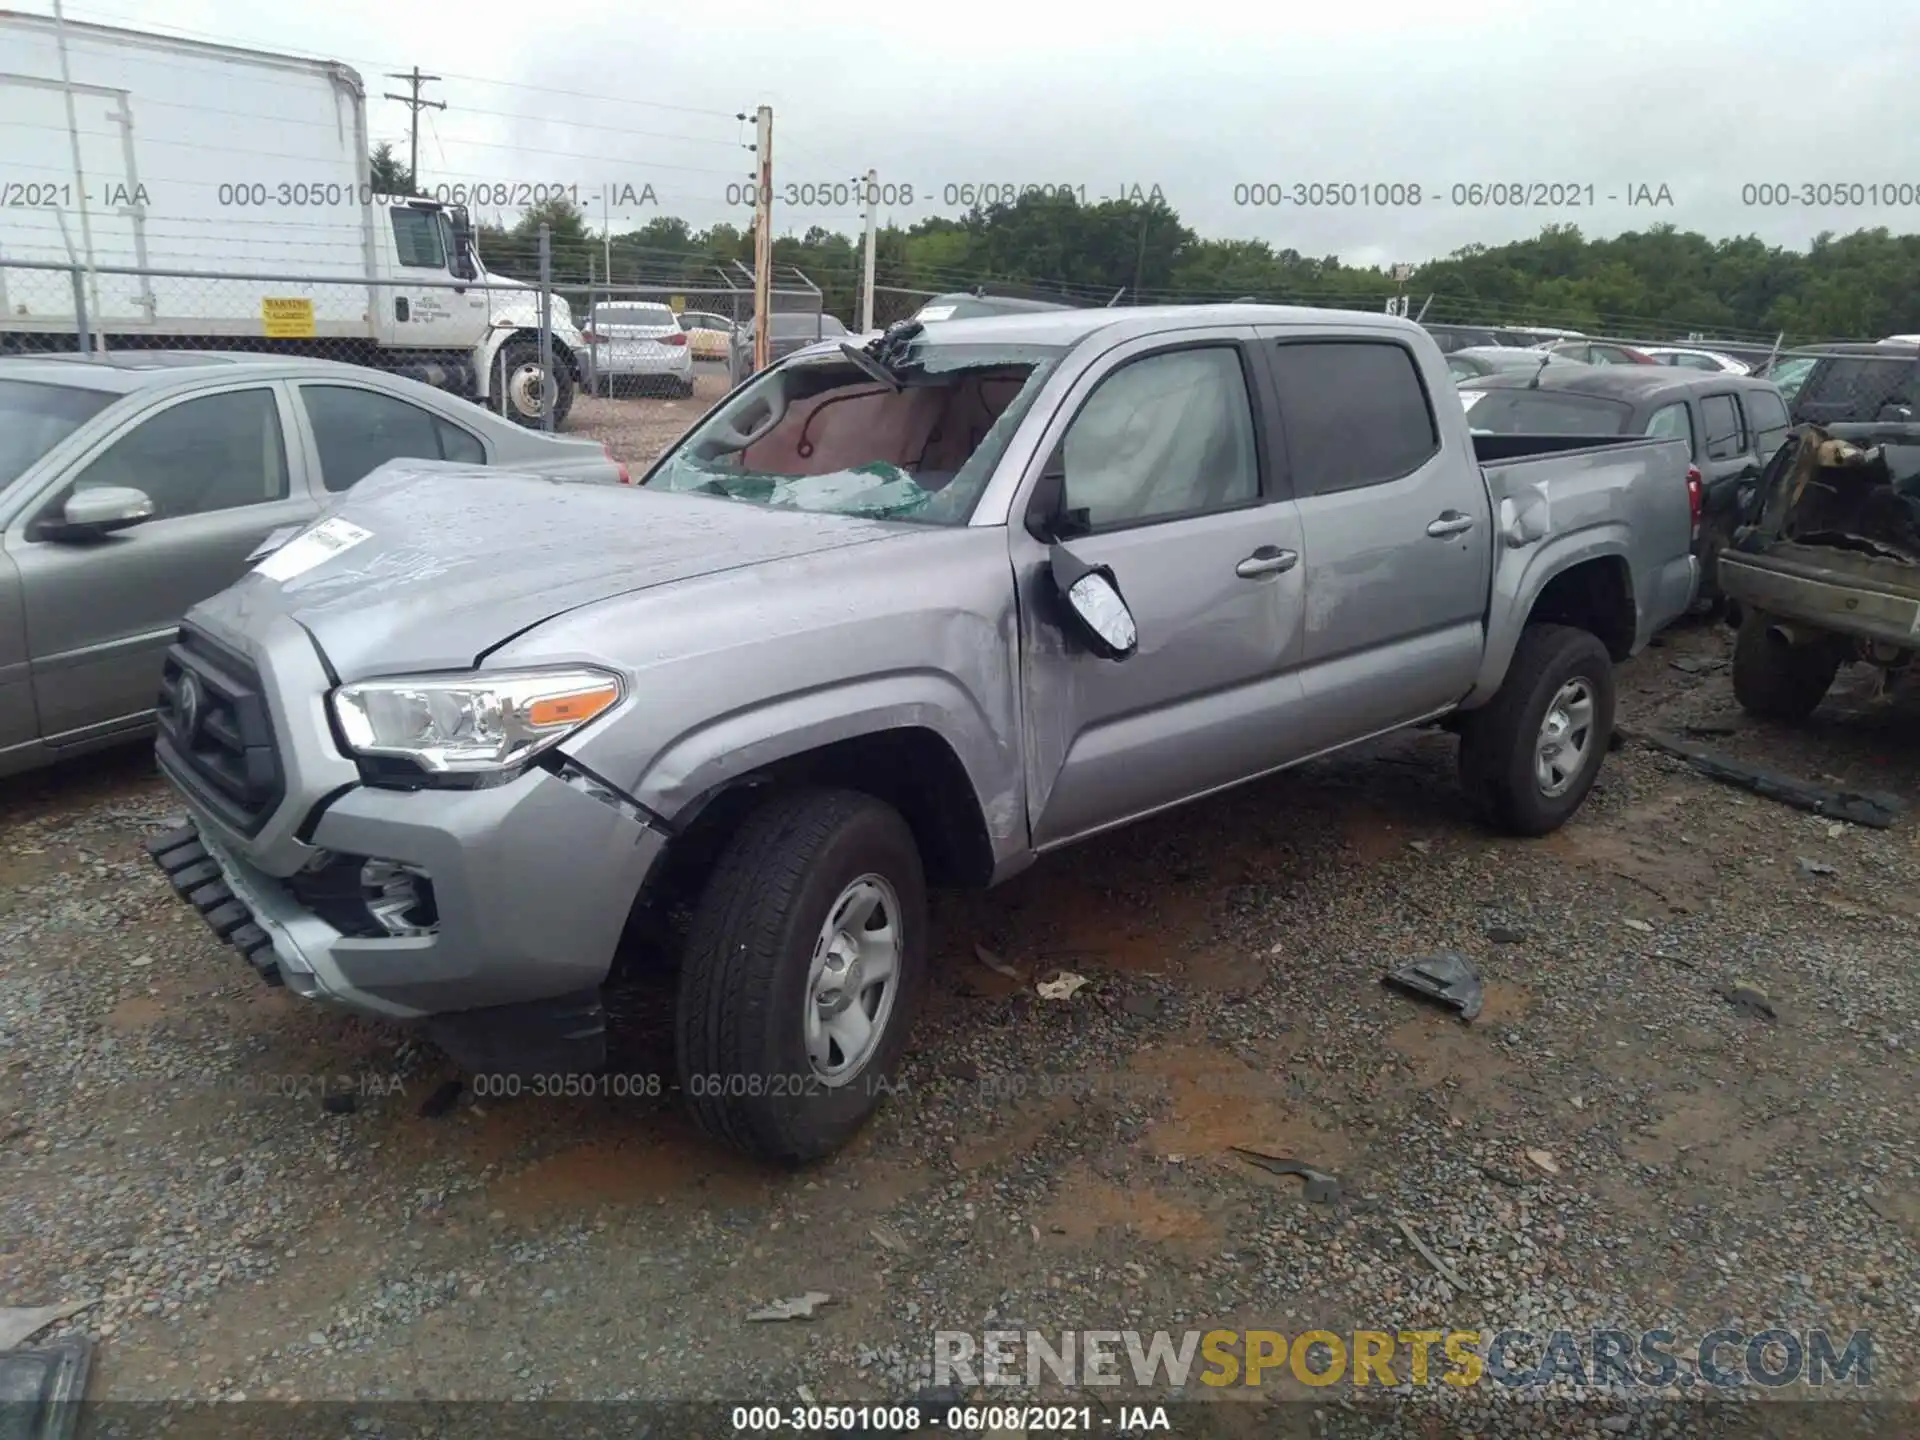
(954, 194)
(1466, 194)
(650, 1085)
(954, 1419)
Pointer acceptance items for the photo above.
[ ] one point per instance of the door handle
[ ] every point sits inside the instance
(1451, 522)
(1267, 560)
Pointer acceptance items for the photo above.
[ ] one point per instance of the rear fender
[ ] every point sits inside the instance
(1516, 588)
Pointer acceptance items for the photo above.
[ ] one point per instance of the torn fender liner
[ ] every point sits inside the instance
(41, 1389)
(1875, 808)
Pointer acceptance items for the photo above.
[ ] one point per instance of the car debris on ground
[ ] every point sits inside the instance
(1446, 978)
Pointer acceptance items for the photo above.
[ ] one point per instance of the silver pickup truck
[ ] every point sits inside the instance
(908, 613)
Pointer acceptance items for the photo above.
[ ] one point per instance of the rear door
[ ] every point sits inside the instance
(1396, 531)
(99, 614)
(1161, 446)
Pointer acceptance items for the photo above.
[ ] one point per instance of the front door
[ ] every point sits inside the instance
(1399, 558)
(1163, 456)
(100, 613)
(429, 315)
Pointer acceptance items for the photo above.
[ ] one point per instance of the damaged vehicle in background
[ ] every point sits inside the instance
(895, 615)
(1731, 425)
(1827, 569)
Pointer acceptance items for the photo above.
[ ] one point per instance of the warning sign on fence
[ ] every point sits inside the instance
(287, 319)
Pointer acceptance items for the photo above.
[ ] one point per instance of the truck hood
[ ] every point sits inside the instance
(454, 561)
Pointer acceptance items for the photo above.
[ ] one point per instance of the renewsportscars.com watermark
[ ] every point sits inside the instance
(1650, 1359)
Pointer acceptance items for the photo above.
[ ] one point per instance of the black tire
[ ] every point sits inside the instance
(516, 355)
(1499, 742)
(743, 982)
(1775, 680)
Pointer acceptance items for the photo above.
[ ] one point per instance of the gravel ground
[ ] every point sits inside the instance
(166, 1149)
(638, 427)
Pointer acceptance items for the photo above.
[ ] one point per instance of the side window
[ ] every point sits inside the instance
(358, 430)
(216, 452)
(418, 240)
(1165, 435)
(1770, 424)
(1354, 412)
(1721, 419)
(1672, 422)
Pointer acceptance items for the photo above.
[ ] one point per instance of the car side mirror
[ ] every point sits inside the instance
(101, 511)
(1093, 602)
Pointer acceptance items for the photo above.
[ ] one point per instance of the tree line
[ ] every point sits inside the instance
(1661, 282)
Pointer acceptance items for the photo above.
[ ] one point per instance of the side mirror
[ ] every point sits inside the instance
(1091, 597)
(461, 262)
(101, 511)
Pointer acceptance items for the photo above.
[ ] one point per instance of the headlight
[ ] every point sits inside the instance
(468, 724)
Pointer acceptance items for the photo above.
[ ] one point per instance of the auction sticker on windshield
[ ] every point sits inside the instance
(331, 537)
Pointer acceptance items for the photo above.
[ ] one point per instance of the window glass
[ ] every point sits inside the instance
(34, 418)
(1770, 424)
(1169, 434)
(1720, 418)
(357, 430)
(1672, 422)
(214, 452)
(1520, 411)
(418, 240)
(1354, 413)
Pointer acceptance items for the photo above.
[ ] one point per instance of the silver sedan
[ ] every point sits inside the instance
(134, 485)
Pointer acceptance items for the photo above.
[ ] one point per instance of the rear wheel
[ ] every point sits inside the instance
(1531, 754)
(802, 972)
(1775, 680)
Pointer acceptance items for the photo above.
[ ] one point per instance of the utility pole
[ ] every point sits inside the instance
(762, 236)
(414, 103)
(79, 175)
(866, 264)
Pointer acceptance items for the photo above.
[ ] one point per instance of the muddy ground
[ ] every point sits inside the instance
(1612, 1143)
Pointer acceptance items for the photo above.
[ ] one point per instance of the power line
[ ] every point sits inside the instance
(414, 103)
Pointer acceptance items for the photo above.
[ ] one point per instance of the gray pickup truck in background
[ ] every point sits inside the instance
(908, 614)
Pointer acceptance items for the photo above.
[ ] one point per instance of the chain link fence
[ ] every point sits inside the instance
(522, 348)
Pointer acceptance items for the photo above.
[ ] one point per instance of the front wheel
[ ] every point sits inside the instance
(519, 383)
(802, 972)
(1531, 754)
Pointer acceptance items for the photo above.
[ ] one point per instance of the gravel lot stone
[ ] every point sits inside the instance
(166, 1148)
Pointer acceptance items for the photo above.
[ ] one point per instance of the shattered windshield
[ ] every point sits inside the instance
(916, 440)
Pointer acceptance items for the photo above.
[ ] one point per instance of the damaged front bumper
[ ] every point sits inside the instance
(527, 890)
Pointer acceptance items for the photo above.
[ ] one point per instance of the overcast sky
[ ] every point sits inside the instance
(1702, 97)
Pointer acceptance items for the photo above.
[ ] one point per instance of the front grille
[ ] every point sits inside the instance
(216, 736)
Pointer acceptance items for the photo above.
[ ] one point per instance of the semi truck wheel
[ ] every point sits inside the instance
(1531, 754)
(517, 373)
(803, 969)
(1775, 680)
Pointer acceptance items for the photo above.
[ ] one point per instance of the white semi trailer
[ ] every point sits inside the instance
(209, 197)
